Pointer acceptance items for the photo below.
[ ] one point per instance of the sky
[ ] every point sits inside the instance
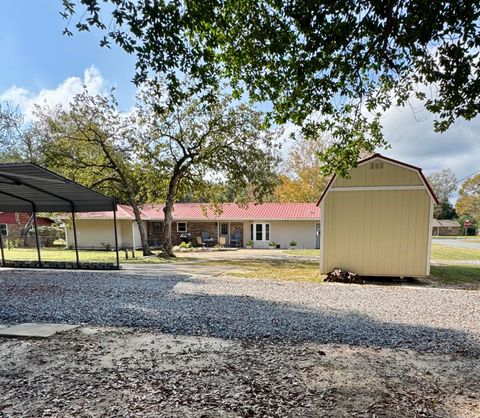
(40, 65)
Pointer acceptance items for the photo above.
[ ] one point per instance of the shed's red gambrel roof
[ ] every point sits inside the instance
(388, 159)
(226, 212)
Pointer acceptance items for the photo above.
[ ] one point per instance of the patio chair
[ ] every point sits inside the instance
(235, 239)
(207, 239)
(200, 243)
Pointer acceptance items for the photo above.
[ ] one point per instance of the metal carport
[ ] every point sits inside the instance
(30, 188)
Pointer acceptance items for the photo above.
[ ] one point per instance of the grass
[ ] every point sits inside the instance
(309, 253)
(297, 271)
(59, 254)
(460, 274)
(440, 252)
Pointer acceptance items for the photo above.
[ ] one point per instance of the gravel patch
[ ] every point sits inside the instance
(421, 319)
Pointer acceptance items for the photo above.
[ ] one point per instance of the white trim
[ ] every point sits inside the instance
(133, 236)
(368, 188)
(322, 234)
(186, 226)
(429, 251)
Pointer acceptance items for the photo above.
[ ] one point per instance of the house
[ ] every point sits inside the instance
(446, 227)
(378, 220)
(12, 223)
(236, 225)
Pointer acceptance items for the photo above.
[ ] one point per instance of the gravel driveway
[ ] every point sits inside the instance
(170, 346)
(423, 319)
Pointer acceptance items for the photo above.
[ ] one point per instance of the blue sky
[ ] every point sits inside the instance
(39, 64)
(35, 54)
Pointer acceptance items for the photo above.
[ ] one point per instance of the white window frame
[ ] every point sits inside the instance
(186, 227)
(263, 231)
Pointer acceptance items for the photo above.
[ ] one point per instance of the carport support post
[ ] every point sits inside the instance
(37, 240)
(1, 249)
(74, 225)
(116, 235)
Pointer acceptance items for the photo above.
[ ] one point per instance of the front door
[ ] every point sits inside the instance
(317, 235)
(224, 231)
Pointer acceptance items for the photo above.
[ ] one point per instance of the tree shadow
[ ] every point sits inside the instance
(187, 306)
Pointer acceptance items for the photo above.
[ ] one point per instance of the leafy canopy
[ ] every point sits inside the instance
(468, 203)
(324, 65)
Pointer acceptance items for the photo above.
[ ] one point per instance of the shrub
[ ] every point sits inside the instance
(293, 243)
(250, 243)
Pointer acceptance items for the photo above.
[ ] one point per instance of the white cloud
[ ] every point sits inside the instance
(61, 95)
(413, 140)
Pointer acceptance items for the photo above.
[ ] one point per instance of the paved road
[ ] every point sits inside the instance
(457, 243)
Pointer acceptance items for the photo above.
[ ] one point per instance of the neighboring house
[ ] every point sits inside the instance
(12, 223)
(261, 223)
(446, 227)
(378, 220)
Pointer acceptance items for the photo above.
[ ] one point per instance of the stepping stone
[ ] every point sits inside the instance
(35, 330)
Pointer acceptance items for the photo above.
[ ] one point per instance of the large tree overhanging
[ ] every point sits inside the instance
(340, 60)
(221, 141)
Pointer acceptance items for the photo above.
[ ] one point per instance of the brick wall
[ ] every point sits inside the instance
(196, 229)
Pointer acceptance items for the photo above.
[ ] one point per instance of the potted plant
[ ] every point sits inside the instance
(293, 245)
(249, 244)
(272, 245)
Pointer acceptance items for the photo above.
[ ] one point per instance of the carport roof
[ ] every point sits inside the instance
(24, 186)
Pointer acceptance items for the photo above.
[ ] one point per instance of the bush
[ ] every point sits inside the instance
(272, 244)
(293, 243)
(250, 243)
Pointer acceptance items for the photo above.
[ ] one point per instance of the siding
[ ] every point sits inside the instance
(384, 232)
(389, 175)
(92, 233)
(282, 232)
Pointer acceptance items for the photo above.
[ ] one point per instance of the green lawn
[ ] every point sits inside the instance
(309, 253)
(440, 252)
(59, 254)
(298, 271)
(459, 274)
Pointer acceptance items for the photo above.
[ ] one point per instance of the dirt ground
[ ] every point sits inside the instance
(95, 371)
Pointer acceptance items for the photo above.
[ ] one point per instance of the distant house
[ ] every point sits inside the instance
(446, 227)
(227, 223)
(12, 223)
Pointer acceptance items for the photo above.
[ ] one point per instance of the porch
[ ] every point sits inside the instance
(208, 233)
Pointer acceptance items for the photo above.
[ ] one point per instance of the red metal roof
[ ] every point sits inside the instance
(388, 159)
(225, 211)
(10, 219)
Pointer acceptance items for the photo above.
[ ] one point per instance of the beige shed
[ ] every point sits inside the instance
(378, 221)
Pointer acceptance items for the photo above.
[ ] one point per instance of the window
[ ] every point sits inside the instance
(157, 227)
(181, 227)
(223, 229)
(260, 232)
(4, 229)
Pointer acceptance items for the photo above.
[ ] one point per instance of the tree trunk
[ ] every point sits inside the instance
(141, 228)
(25, 230)
(167, 244)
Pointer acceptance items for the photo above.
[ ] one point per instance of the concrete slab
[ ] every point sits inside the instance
(32, 330)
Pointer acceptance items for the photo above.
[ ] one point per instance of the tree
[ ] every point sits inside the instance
(300, 177)
(200, 143)
(18, 141)
(444, 184)
(90, 143)
(468, 203)
(325, 66)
